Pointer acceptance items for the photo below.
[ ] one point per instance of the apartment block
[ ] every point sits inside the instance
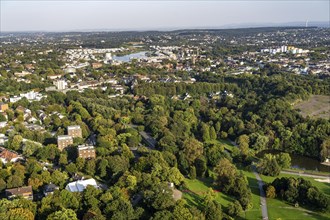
(86, 151)
(63, 141)
(74, 131)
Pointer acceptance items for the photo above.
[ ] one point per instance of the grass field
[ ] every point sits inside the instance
(324, 187)
(317, 106)
(280, 209)
(197, 189)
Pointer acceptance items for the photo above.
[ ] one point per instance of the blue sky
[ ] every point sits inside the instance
(62, 15)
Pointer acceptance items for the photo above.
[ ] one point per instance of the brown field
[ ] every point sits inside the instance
(317, 106)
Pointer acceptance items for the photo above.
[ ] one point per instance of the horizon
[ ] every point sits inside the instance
(229, 27)
(68, 16)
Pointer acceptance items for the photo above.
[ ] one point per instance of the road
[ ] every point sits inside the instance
(306, 175)
(150, 141)
(263, 202)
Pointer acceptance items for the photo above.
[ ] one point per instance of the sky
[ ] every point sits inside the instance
(60, 15)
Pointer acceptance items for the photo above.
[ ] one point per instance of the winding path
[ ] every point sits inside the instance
(263, 202)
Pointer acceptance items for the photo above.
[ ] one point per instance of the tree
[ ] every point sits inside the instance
(268, 165)
(213, 134)
(63, 160)
(243, 144)
(19, 213)
(14, 181)
(162, 215)
(213, 210)
(225, 173)
(59, 178)
(16, 142)
(192, 172)
(283, 160)
(205, 132)
(102, 167)
(71, 168)
(35, 183)
(261, 142)
(90, 167)
(180, 212)
(201, 166)
(3, 184)
(234, 208)
(214, 153)
(325, 149)
(29, 148)
(175, 176)
(270, 192)
(64, 214)
(192, 149)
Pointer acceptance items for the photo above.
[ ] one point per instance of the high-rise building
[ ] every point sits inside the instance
(63, 141)
(74, 131)
(60, 84)
(86, 151)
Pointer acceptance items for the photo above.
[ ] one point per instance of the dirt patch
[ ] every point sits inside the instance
(318, 106)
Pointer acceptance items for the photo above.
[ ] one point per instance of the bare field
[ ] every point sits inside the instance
(318, 106)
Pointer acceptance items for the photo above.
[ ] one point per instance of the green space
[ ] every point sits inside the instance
(196, 190)
(281, 209)
(226, 144)
(324, 187)
(317, 106)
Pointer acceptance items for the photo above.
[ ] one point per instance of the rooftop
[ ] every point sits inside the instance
(19, 190)
(73, 127)
(85, 147)
(64, 137)
(80, 185)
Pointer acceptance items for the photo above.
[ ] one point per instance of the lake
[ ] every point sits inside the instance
(129, 57)
(301, 162)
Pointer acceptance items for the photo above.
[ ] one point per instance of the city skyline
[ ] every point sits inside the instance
(147, 15)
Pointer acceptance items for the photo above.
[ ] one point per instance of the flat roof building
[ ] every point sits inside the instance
(86, 151)
(63, 141)
(74, 131)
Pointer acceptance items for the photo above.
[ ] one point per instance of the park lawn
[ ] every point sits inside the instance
(226, 144)
(280, 209)
(198, 187)
(323, 187)
(196, 190)
(255, 211)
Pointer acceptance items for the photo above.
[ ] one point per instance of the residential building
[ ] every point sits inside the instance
(63, 141)
(7, 155)
(25, 192)
(86, 151)
(74, 131)
(3, 139)
(14, 99)
(49, 189)
(80, 185)
(3, 107)
(96, 65)
(60, 84)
